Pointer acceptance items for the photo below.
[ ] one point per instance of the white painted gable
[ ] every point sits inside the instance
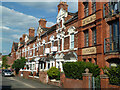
(26, 38)
(39, 30)
(62, 13)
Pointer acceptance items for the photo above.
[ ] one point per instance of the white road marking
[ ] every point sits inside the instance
(11, 78)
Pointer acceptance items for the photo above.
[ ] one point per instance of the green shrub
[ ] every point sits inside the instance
(53, 73)
(114, 75)
(74, 70)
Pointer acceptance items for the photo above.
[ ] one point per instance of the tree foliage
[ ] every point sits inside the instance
(114, 75)
(19, 64)
(4, 62)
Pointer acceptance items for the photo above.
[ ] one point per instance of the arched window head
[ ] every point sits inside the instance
(61, 55)
(43, 42)
(71, 30)
(52, 38)
(57, 56)
(58, 35)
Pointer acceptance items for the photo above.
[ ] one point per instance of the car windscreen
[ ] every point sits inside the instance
(7, 71)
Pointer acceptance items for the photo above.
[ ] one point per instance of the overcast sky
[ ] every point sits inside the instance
(18, 17)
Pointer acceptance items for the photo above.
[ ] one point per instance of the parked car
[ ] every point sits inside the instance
(7, 73)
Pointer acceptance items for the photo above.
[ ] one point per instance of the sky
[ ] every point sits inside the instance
(17, 17)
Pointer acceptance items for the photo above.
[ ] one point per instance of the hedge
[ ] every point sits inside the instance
(114, 75)
(74, 70)
(53, 73)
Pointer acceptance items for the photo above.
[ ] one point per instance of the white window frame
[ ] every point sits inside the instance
(62, 43)
(71, 42)
(33, 49)
(59, 44)
(71, 32)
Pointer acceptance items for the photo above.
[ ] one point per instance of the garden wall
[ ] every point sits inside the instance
(56, 83)
(26, 74)
(74, 83)
(43, 77)
(105, 82)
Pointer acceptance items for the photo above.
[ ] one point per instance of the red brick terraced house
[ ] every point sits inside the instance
(92, 35)
(99, 32)
(52, 46)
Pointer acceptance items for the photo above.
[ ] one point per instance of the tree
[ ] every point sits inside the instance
(4, 62)
(19, 64)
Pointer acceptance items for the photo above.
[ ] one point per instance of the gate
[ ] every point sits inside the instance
(96, 83)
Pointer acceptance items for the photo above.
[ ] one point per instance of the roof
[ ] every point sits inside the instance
(75, 16)
(49, 30)
(15, 46)
(50, 57)
(32, 39)
(72, 14)
(69, 55)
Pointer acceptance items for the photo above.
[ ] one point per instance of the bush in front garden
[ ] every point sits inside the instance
(114, 75)
(53, 73)
(74, 70)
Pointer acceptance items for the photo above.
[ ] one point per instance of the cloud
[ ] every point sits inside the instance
(41, 0)
(47, 6)
(16, 20)
(51, 7)
(4, 51)
(49, 24)
(6, 39)
(4, 27)
(15, 36)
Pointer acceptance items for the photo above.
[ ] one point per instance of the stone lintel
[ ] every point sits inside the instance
(87, 74)
(104, 76)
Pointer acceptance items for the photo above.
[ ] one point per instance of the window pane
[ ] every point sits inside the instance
(86, 38)
(94, 36)
(72, 41)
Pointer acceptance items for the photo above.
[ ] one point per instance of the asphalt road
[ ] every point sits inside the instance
(14, 83)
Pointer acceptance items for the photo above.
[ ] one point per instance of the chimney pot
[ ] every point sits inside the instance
(31, 32)
(42, 22)
(63, 5)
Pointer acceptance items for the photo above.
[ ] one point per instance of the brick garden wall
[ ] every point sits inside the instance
(74, 83)
(105, 82)
(43, 77)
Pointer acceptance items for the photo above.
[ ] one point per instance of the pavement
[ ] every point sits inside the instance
(13, 83)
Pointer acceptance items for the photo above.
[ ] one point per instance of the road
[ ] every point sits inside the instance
(20, 83)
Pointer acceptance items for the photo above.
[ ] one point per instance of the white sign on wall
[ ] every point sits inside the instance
(54, 49)
(47, 50)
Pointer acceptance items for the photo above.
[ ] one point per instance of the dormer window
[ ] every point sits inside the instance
(85, 9)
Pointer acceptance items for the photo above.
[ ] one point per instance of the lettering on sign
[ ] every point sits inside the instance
(91, 50)
(89, 20)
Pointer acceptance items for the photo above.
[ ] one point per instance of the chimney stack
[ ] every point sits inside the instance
(23, 36)
(20, 39)
(31, 32)
(63, 5)
(42, 22)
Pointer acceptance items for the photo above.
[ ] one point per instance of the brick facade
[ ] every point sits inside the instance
(91, 30)
(102, 31)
